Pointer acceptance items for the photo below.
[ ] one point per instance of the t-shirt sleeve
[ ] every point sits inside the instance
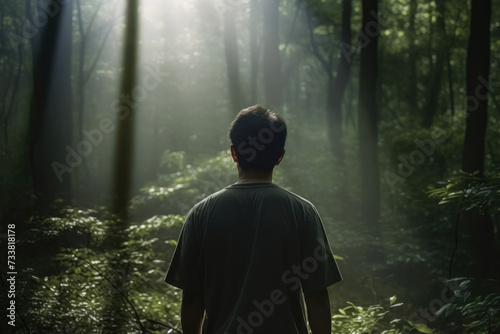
(184, 270)
(318, 266)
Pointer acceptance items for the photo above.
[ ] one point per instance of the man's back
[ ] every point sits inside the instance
(250, 248)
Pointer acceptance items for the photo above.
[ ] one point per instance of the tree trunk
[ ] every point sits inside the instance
(81, 180)
(14, 91)
(337, 89)
(231, 50)
(450, 81)
(119, 306)
(254, 52)
(368, 123)
(479, 225)
(412, 80)
(122, 173)
(436, 74)
(50, 115)
(272, 62)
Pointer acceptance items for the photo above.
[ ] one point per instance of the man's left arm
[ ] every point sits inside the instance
(315, 247)
(192, 312)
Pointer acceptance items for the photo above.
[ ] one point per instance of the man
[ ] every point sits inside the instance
(247, 253)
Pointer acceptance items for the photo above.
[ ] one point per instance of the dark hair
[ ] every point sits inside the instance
(258, 136)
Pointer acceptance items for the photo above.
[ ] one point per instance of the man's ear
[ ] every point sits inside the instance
(280, 158)
(233, 154)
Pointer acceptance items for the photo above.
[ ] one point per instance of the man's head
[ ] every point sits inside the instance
(258, 136)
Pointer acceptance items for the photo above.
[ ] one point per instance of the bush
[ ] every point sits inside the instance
(374, 319)
(74, 297)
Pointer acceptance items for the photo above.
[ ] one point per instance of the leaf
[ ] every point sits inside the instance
(392, 300)
(492, 297)
(442, 309)
(492, 311)
(337, 316)
(450, 310)
(423, 328)
(464, 284)
(397, 305)
(466, 295)
(455, 279)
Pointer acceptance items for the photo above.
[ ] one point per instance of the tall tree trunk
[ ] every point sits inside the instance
(368, 122)
(437, 74)
(337, 89)
(450, 81)
(479, 225)
(14, 91)
(231, 50)
(122, 173)
(412, 80)
(272, 62)
(119, 306)
(254, 52)
(81, 179)
(50, 115)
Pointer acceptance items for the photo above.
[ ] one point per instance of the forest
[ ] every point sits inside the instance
(114, 119)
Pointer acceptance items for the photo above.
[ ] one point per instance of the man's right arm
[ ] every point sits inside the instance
(318, 311)
(192, 312)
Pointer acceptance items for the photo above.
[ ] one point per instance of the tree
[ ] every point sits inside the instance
(12, 58)
(479, 225)
(50, 127)
(119, 303)
(81, 183)
(272, 62)
(412, 79)
(254, 50)
(231, 50)
(437, 73)
(338, 86)
(122, 174)
(368, 119)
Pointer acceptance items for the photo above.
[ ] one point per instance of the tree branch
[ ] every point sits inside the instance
(322, 60)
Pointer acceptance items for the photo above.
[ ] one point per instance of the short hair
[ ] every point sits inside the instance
(258, 136)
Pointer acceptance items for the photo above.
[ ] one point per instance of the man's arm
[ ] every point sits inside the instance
(318, 311)
(192, 312)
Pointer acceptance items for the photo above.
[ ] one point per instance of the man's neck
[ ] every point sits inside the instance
(254, 176)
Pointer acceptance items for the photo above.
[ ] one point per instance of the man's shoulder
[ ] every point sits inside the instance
(273, 190)
(299, 199)
(205, 201)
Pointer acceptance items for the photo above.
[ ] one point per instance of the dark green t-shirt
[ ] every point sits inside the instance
(251, 249)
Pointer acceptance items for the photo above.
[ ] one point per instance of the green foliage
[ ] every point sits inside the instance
(79, 221)
(173, 161)
(471, 190)
(179, 190)
(84, 276)
(374, 319)
(85, 273)
(479, 313)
